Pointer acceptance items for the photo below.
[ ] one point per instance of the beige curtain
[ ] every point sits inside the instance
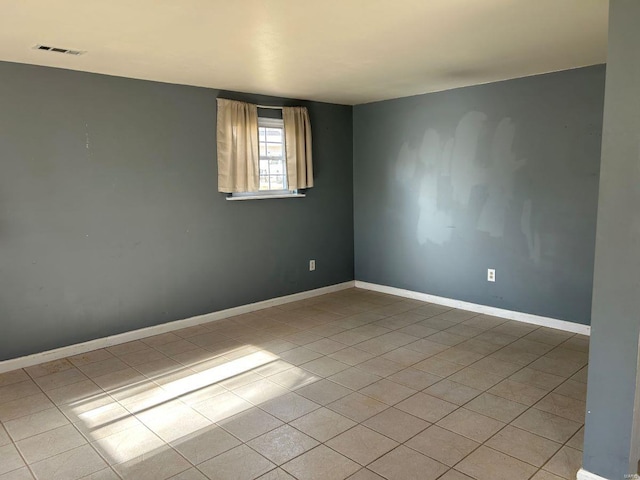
(297, 131)
(238, 156)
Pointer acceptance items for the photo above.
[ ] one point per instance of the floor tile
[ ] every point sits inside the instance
(454, 475)
(127, 348)
(581, 375)
(426, 407)
(487, 464)
(413, 378)
(542, 475)
(547, 425)
(380, 366)
(452, 392)
(240, 463)
(387, 391)
(19, 474)
(406, 464)
(48, 368)
(563, 406)
(577, 441)
(365, 474)
(555, 366)
(36, 423)
(396, 424)
(427, 347)
(517, 392)
(14, 376)
(321, 463)
(496, 407)
(276, 474)
(324, 366)
(191, 474)
(325, 346)
(361, 444)
(282, 444)
(76, 393)
(48, 444)
(514, 355)
(127, 444)
(250, 424)
(475, 378)
(573, 389)
(442, 445)
(4, 437)
(417, 330)
(158, 464)
(435, 366)
(405, 356)
(173, 420)
(18, 390)
(565, 463)
(289, 406)
(10, 459)
(351, 356)
(523, 445)
(141, 357)
(259, 392)
(323, 392)
(205, 444)
(299, 355)
(357, 407)
(323, 424)
(496, 367)
(294, 378)
(73, 464)
(354, 378)
(459, 355)
(471, 424)
(222, 406)
(102, 367)
(545, 381)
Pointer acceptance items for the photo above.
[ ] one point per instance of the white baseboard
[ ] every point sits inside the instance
(584, 475)
(37, 358)
(474, 307)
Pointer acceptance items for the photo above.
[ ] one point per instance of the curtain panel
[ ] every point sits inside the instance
(237, 144)
(297, 130)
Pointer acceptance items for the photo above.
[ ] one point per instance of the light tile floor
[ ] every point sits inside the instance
(354, 384)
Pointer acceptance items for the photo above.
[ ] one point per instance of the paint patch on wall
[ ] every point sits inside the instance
(470, 174)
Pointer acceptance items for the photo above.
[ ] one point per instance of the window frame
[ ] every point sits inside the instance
(267, 122)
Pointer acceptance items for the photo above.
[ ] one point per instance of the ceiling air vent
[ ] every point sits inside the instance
(66, 51)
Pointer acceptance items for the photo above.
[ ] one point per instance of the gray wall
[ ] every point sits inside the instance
(612, 428)
(110, 219)
(504, 176)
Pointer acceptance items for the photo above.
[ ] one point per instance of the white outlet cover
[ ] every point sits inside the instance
(491, 275)
(312, 265)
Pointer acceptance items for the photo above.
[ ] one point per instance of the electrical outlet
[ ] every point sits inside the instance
(312, 265)
(491, 275)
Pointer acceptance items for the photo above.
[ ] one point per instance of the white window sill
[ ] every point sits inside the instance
(266, 196)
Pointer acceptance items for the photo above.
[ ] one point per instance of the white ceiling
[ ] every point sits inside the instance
(342, 51)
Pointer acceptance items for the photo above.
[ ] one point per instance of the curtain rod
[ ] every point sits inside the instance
(269, 107)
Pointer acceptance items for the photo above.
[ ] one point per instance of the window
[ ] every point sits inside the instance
(273, 163)
(261, 157)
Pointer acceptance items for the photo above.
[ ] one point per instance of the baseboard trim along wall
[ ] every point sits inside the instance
(473, 307)
(584, 475)
(36, 358)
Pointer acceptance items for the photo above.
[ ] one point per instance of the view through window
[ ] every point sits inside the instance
(273, 165)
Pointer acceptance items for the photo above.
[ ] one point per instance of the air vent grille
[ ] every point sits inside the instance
(66, 51)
